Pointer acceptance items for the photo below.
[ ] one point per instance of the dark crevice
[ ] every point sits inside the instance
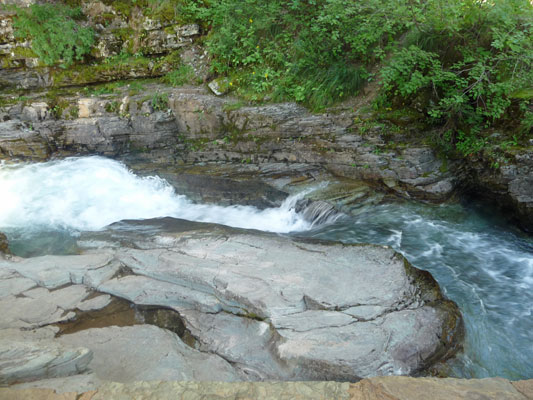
(121, 313)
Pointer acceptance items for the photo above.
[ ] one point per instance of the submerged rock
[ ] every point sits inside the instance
(254, 306)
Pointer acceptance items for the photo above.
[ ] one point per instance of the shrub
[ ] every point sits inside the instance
(467, 61)
(314, 52)
(54, 31)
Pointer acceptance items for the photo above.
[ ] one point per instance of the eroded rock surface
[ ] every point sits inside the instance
(382, 388)
(254, 306)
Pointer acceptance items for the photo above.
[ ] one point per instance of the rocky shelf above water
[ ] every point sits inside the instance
(252, 143)
(253, 307)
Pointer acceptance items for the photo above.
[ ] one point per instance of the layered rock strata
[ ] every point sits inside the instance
(254, 307)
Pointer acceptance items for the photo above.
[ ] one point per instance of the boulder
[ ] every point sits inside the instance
(324, 310)
(255, 306)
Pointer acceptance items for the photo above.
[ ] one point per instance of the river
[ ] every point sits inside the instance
(480, 262)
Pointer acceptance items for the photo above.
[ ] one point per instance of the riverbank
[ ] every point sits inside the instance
(121, 102)
(220, 136)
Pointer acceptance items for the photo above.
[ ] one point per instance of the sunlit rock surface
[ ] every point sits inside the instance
(254, 306)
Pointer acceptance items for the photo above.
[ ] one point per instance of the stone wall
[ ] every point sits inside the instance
(155, 48)
(386, 388)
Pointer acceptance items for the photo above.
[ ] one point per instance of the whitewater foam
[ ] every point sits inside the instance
(89, 193)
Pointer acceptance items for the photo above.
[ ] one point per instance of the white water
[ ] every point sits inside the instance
(480, 262)
(87, 194)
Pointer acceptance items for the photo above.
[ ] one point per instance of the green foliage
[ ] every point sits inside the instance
(159, 101)
(527, 122)
(181, 76)
(54, 31)
(313, 51)
(468, 64)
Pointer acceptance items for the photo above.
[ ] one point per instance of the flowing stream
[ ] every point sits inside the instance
(480, 262)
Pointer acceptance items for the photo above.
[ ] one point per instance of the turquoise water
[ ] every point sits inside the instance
(480, 262)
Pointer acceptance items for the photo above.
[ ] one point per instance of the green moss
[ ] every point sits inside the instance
(23, 52)
(234, 106)
(181, 76)
(125, 7)
(123, 34)
(112, 69)
(444, 166)
(112, 107)
(74, 112)
(6, 62)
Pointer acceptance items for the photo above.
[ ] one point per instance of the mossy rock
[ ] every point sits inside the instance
(4, 247)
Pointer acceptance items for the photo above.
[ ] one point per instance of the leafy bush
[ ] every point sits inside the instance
(465, 63)
(54, 31)
(316, 52)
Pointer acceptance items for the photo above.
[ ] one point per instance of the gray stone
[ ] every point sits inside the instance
(275, 307)
(39, 306)
(147, 291)
(219, 86)
(23, 361)
(145, 352)
(96, 303)
(328, 311)
(55, 271)
(12, 283)
(249, 344)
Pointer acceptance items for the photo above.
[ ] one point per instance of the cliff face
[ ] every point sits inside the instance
(128, 45)
(89, 109)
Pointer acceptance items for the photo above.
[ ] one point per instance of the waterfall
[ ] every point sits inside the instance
(89, 193)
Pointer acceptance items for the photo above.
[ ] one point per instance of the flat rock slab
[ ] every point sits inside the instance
(127, 354)
(402, 388)
(383, 388)
(25, 360)
(265, 307)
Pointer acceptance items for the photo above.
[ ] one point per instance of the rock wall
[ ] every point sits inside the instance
(195, 126)
(198, 127)
(128, 45)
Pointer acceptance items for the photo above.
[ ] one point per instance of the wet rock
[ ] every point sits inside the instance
(201, 128)
(21, 140)
(510, 186)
